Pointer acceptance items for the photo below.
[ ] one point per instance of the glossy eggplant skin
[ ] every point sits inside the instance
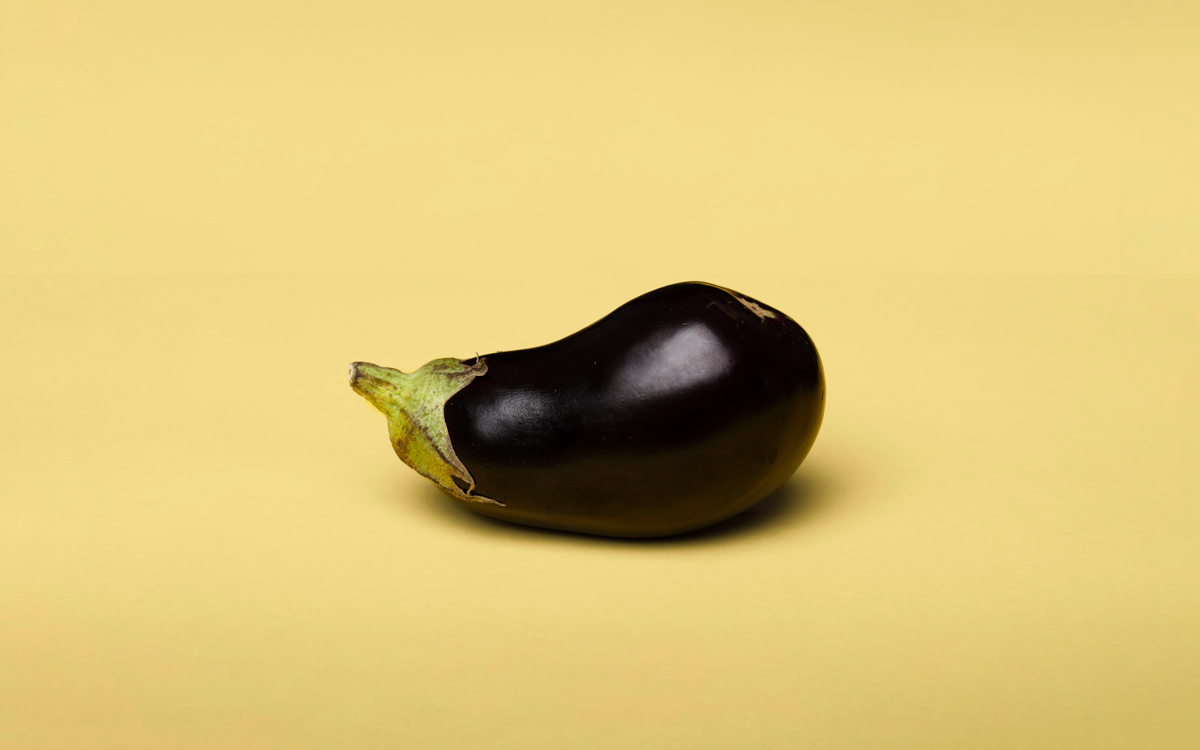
(679, 409)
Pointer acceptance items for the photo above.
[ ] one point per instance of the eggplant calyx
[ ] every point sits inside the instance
(414, 404)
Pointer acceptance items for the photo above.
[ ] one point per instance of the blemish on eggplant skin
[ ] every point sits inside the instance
(762, 312)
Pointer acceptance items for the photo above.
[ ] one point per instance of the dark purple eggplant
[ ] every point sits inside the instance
(679, 409)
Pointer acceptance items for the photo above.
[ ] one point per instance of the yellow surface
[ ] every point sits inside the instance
(206, 541)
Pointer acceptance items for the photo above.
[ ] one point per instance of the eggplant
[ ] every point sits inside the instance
(681, 408)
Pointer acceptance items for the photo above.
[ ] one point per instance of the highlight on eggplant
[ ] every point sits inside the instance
(679, 409)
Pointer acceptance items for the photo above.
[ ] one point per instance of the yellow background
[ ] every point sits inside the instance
(986, 215)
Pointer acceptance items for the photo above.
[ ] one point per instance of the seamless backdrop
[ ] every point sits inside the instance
(854, 136)
(986, 215)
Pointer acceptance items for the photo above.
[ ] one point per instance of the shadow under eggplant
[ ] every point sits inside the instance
(802, 497)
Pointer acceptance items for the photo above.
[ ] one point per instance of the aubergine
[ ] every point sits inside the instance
(679, 409)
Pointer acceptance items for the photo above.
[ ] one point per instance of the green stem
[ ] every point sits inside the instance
(414, 404)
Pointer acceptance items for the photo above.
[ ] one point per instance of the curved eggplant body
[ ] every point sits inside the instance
(681, 408)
